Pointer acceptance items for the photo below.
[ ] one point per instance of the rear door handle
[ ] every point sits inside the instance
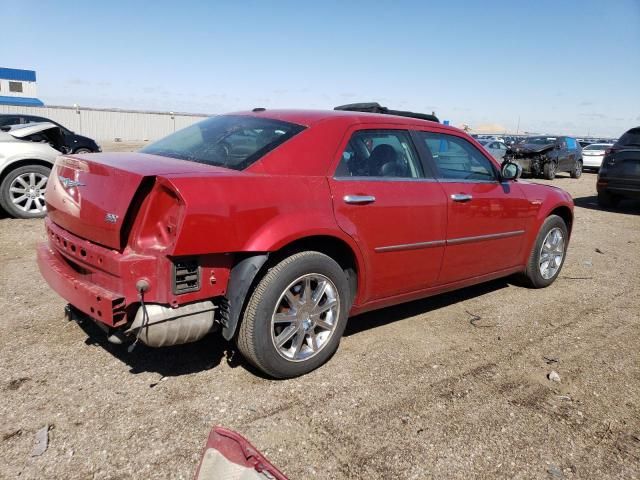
(359, 199)
(461, 197)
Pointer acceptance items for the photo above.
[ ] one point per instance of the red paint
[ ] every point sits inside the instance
(170, 208)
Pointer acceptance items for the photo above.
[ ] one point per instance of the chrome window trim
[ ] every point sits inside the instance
(453, 241)
(384, 179)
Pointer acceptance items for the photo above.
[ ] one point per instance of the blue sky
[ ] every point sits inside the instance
(561, 66)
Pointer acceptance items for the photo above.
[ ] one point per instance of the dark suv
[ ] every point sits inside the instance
(74, 142)
(619, 175)
(547, 155)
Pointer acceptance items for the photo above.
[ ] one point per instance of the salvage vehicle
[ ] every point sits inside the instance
(593, 155)
(619, 175)
(275, 226)
(74, 142)
(496, 148)
(546, 156)
(27, 153)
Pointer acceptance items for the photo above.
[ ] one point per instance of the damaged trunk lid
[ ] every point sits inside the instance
(91, 195)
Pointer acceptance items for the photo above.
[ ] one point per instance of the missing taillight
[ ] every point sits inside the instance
(186, 276)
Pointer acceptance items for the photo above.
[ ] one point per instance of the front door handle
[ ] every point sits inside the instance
(461, 197)
(359, 199)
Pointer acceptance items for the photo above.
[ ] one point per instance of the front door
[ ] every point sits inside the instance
(396, 214)
(486, 217)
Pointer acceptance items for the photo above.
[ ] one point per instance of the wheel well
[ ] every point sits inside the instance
(566, 215)
(333, 247)
(22, 163)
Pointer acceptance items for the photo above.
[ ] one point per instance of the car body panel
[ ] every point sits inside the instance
(411, 242)
(14, 148)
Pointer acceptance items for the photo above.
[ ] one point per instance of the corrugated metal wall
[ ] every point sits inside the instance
(107, 125)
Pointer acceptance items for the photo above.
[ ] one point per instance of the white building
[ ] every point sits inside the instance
(18, 87)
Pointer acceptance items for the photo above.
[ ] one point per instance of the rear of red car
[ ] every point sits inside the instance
(114, 221)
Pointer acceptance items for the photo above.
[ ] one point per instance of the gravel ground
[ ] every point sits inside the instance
(415, 391)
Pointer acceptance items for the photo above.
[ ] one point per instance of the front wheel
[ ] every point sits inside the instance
(296, 315)
(548, 254)
(83, 150)
(550, 170)
(577, 170)
(22, 191)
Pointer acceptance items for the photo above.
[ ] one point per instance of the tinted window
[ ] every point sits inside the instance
(226, 141)
(455, 158)
(379, 153)
(631, 138)
(9, 121)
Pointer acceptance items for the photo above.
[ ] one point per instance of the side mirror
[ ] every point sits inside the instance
(510, 171)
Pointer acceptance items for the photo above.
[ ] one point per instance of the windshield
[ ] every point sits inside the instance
(228, 141)
(540, 140)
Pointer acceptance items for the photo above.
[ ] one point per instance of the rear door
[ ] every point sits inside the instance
(395, 212)
(486, 218)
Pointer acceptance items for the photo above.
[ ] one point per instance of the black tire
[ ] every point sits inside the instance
(577, 170)
(608, 200)
(6, 202)
(254, 338)
(550, 170)
(83, 150)
(532, 273)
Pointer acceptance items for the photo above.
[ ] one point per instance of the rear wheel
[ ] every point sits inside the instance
(22, 191)
(83, 150)
(550, 170)
(577, 170)
(608, 200)
(548, 254)
(296, 316)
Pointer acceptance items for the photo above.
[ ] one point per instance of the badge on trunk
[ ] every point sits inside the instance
(111, 218)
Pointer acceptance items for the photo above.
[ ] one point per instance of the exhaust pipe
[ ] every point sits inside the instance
(166, 326)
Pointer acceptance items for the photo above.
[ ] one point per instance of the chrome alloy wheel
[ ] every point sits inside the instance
(27, 192)
(551, 253)
(305, 317)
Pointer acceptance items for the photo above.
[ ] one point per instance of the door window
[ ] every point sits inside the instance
(379, 153)
(454, 158)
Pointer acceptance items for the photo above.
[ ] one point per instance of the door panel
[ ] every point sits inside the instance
(401, 233)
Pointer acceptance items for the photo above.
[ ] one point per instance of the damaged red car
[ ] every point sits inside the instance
(274, 227)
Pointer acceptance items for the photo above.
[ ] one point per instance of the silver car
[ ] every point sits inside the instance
(496, 148)
(593, 154)
(27, 153)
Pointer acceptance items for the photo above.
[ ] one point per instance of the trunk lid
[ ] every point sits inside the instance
(90, 195)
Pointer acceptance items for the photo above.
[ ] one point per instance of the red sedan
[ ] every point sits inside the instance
(275, 226)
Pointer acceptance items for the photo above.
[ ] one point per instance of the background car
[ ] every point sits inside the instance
(593, 154)
(619, 175)
(547, 155)
(27, 153)
(74, 142)
(496, 148)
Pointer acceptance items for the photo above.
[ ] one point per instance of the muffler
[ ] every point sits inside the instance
(166, 326)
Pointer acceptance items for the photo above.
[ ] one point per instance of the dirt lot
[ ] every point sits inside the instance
(416, 391)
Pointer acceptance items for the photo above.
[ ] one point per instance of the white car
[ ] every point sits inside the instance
(496, 148)
(27, 153)
(593, 154)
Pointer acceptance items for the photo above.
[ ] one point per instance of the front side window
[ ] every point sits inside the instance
(228, 141)
(15, 87)
(380, 153)
(456, 159)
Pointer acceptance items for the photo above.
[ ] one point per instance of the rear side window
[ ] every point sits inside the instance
(380, 153)
(631, 138)
(571, 143)
(456, 159)
(230, 141)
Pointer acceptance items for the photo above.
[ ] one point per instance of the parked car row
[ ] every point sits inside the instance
(29, 146)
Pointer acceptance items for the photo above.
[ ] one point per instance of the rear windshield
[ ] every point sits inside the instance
(540, 140)
(631, 138)
(228, 141)
(597, 146)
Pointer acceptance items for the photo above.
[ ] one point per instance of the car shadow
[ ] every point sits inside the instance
(630, 207)
(212, 350)
(385, 316)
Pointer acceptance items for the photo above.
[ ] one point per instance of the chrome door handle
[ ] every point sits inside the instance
(359, 199)
(461, 197)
